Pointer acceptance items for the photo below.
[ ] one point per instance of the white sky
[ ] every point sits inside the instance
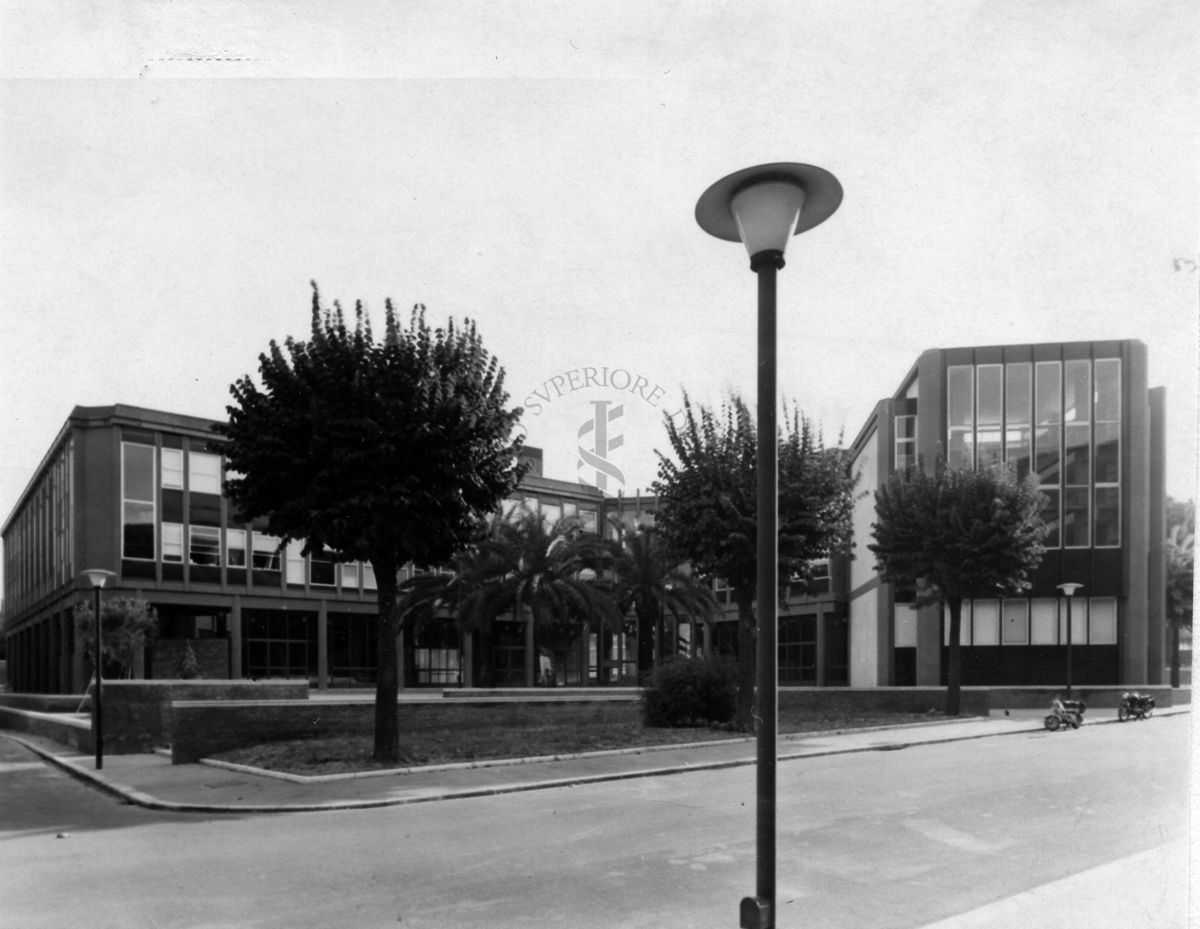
(172, 175)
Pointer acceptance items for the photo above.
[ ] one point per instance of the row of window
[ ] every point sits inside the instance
(551, 512)
(1036, 621)
(1060, 421)
(37, 547)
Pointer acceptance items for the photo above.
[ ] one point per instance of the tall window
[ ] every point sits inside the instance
(295, 562)
(265, 552)
(235, 548)
(906, 442)
(204, 473)
(960, 416)
(172, 543)
(320, 568)
(1107, 459)
(138, 510)
(172, 468)
(1077, 456)
(989, 415)
(1018, 417)
(1048, 444)
(204, 546)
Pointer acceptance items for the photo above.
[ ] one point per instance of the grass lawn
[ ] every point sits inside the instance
(336, 755)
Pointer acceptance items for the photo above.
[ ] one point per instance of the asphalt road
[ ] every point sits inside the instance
(893, 840)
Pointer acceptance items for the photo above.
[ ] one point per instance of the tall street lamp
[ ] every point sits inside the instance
(1069, 589)
(763, 207)
(97, 578)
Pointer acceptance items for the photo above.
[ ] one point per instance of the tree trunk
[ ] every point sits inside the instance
(645, 640)
(531, 655)
(1174, 653)
(954, 672)
(387, 723)
(747, 665)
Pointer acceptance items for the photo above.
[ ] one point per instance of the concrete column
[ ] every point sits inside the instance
(80, 673)
(235, 639)
(401, 660)
(466, 658)
(323, 646)
(822, 617)
(67, 640)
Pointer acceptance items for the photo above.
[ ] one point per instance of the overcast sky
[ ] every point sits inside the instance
(173, 175)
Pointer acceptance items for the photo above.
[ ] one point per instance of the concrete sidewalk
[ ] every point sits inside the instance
(150, 780)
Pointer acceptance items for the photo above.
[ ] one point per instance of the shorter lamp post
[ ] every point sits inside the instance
(97, 578)
(1068, 589)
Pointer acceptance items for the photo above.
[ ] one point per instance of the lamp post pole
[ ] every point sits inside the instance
(763, 207)
(766, 265)
(1069, 589)
(97, 578)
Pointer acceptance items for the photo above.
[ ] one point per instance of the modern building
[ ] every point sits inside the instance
(138, 492)
(1082, 418)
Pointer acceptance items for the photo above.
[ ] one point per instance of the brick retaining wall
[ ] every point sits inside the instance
(137, 714)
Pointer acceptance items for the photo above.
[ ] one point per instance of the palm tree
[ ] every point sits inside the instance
(649, 583)
(544, 574)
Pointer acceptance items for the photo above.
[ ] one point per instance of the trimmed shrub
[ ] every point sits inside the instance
(690, 692)
(189, 668)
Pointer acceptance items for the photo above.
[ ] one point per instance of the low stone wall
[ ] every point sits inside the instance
(1024, 698)
(973, 702)
(203, 729)
(137, 714)
(47, 703)
(75, 731)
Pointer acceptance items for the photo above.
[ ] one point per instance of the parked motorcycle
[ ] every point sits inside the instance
(1135, 706)
(1065, 714)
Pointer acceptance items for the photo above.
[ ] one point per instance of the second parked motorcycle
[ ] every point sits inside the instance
(1135, 706)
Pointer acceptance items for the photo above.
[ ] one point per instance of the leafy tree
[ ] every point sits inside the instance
(707, 508)
(387, 452)
(649, 582)
(127, 624)
(1180, 552)
(950, 535)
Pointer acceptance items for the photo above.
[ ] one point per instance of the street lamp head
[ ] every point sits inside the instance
(766, 205)
(97, 577)
(1069, 588)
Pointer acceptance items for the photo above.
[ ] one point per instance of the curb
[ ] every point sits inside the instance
(538, 759)
(146, 801)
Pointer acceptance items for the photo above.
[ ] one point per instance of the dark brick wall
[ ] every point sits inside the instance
(206, 729)
(1094, 697)
(212, 657)
(880, 699)
(137, 714)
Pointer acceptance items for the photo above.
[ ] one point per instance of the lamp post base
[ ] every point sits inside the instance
(756, 914)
